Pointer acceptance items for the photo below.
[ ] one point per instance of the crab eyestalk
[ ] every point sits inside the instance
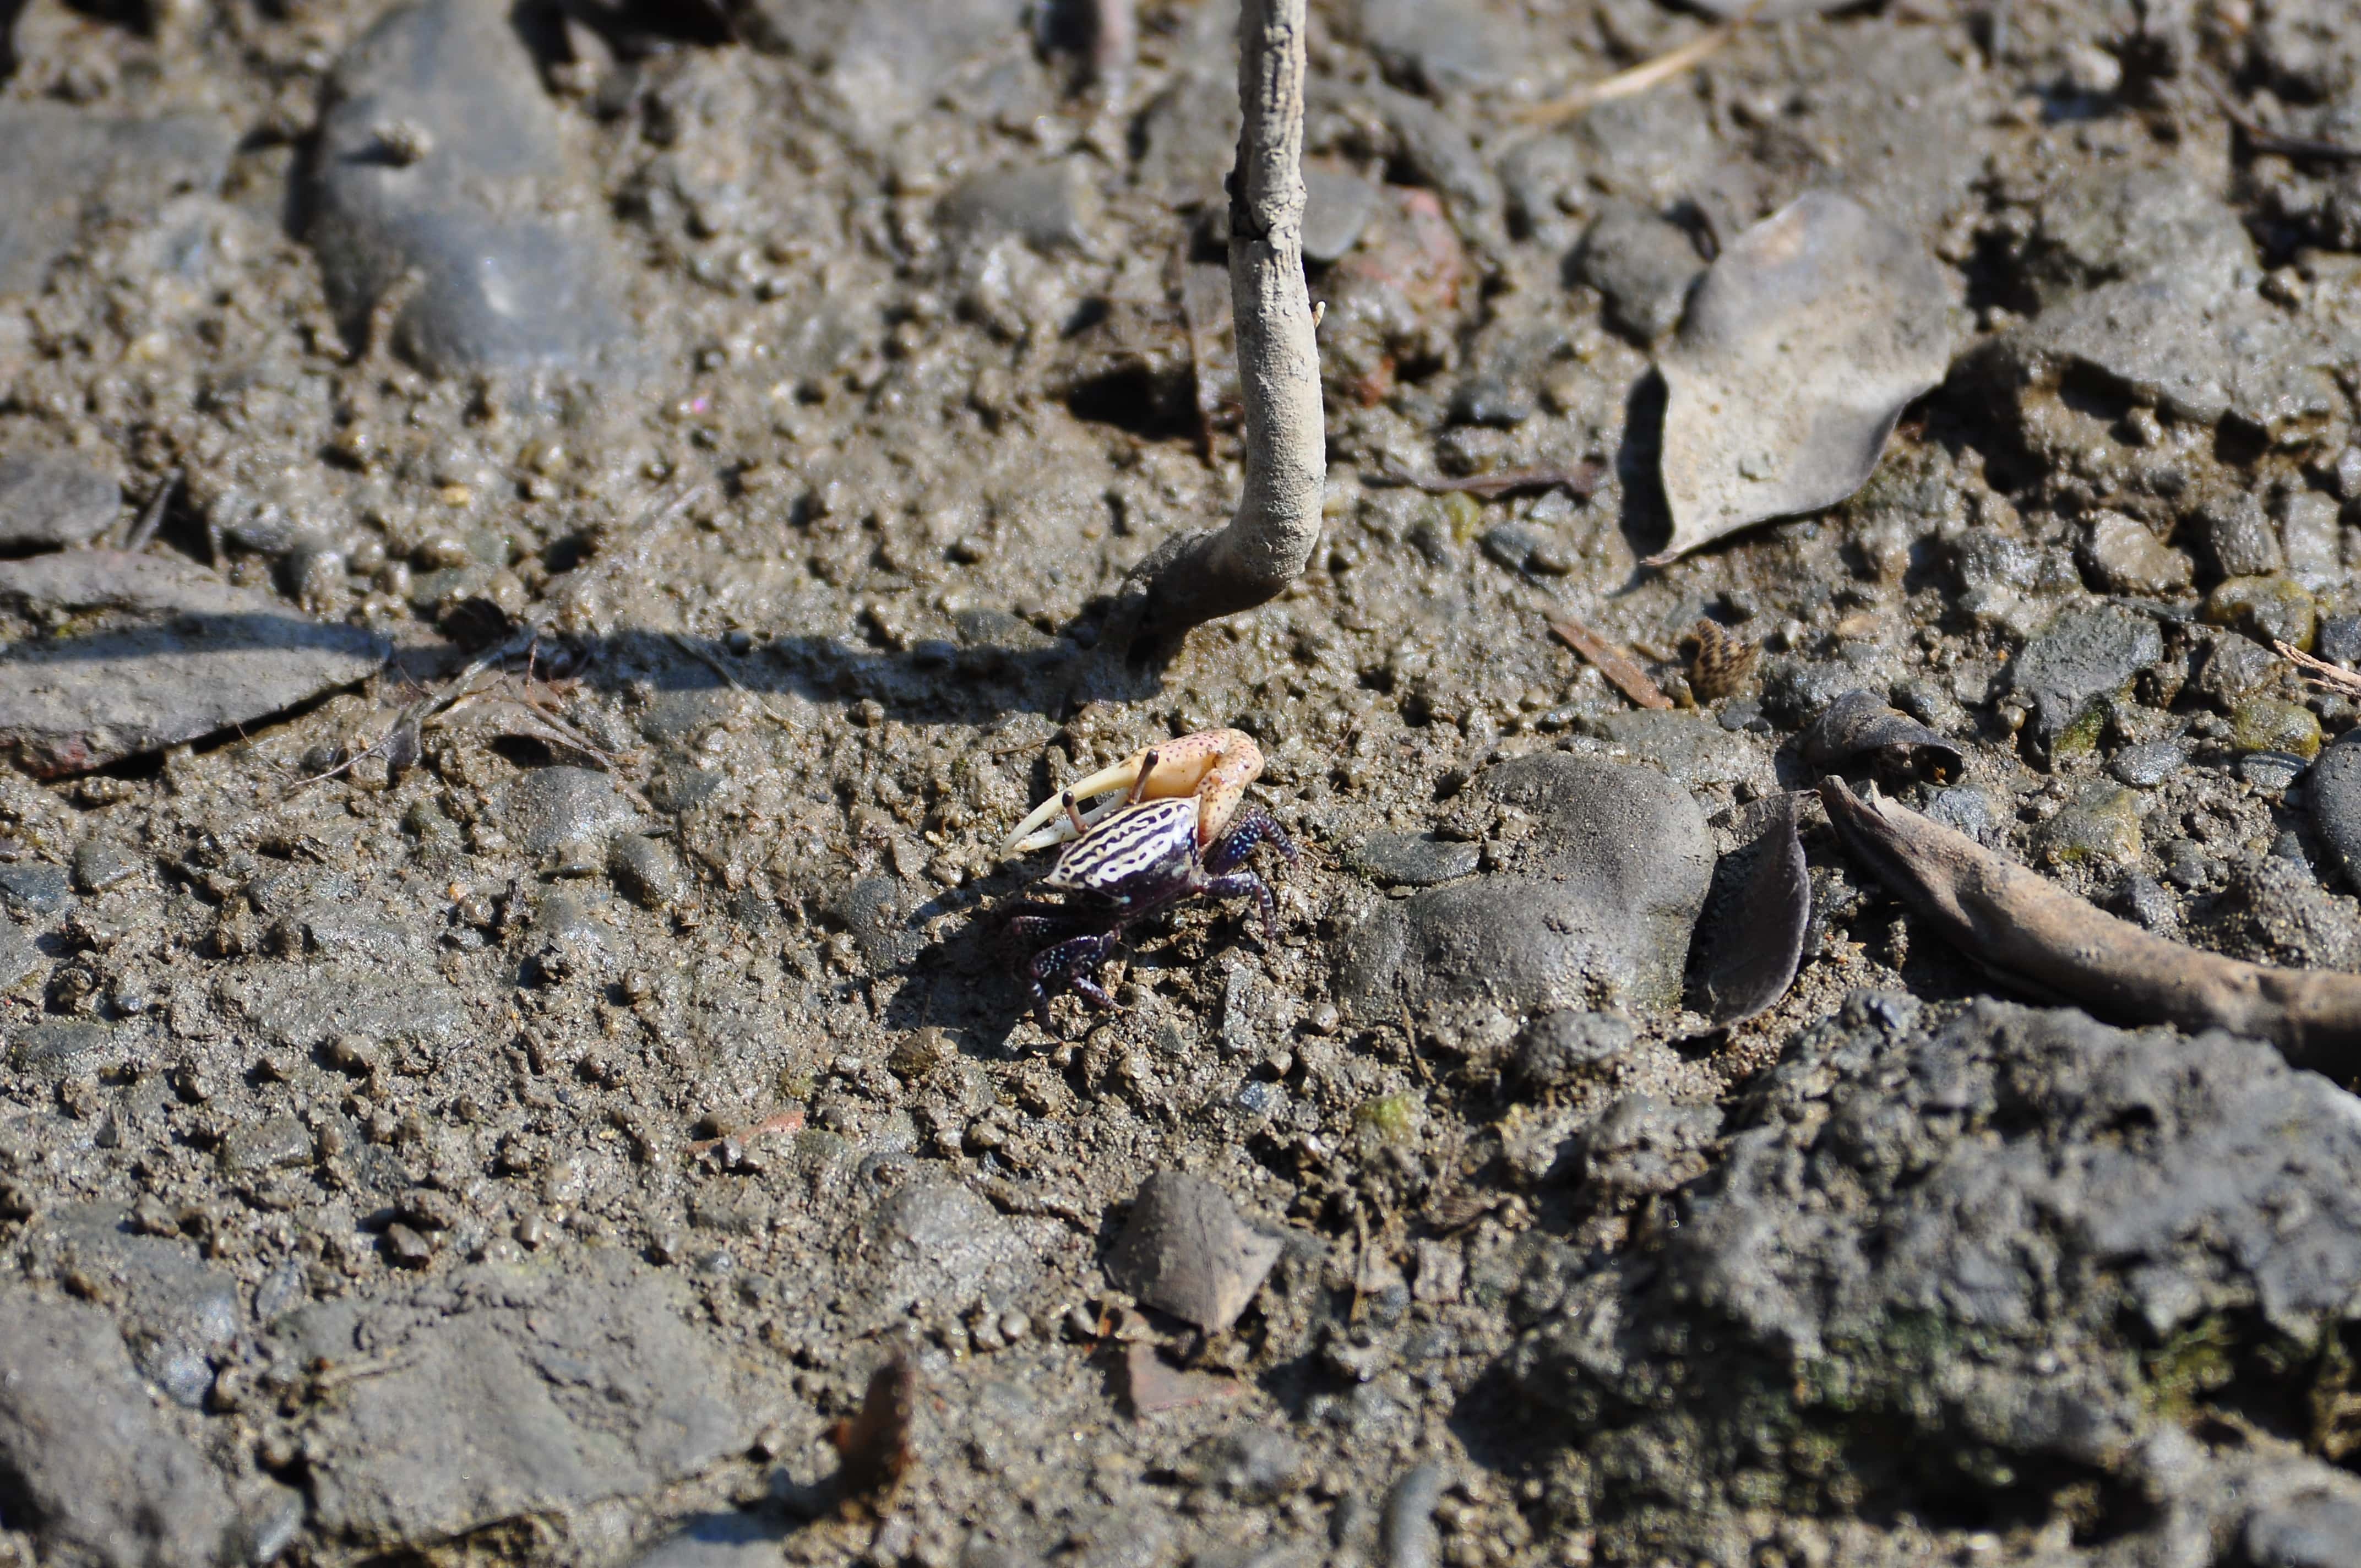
(1214, 766)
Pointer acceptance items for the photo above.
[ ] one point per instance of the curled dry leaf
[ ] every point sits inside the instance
(1860, 724)
(1752, 938)
(875, 1444)
(2026, 930)
(1798, 351)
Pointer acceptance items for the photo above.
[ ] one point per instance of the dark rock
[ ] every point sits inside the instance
(2275, 771)
(1416, 860)
(2268, 610)
(2338, 640)
(2237, 538)
(267, 1145)
(53, 1048)
(1592, 905)
(1860, 724)
(68, 166)
(1563, 1047)
(1337, 205)
(1967, 1228)
(2235, 667)
(302, 1005)
(439, 155)
(1969, 810)
(1642, 1146)
(1488, 400)
(1643, 265)
(2146, 903)
(35, 887)
(2082, 657)
(1186, 1249)
(877, 910)
(101, 864)
(1521, 547)
(53, 500)
(21, 956)
(550, 809)
(1693, 749)
(2334, 790)
(159, 652)
(573, 1388)
(2149, 763)
(1051, 206)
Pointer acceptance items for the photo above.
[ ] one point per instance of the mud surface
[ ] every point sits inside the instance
(503, 1103)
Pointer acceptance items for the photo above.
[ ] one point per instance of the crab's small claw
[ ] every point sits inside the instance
(1214, 766)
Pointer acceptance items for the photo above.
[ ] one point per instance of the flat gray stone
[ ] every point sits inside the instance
(551, 807)
(1051, 206)
(1416, 860)
(161, 652)
(53, 500)
(1593, 907)
(1337, 205)
(439, 154)
(90, 1471)
(512, 1394)
(177, 1315)
(67, 166)
(933, 1240)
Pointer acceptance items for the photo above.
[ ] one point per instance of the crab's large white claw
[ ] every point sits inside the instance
(1052, 823)
(1214, 766)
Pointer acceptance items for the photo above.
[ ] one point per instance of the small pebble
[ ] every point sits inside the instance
(2148, 764)
(2273, 770)
(2268, 610)
(2271, 724)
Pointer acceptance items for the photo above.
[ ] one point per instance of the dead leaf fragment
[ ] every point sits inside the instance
(875, 1444)
(1752, 938)
(1152, 1386)
(1798, 351)
(1187, 1250)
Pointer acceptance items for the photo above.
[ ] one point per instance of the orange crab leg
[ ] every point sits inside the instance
(1214, 766)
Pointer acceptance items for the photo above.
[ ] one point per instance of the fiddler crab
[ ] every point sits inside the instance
(1169, 828)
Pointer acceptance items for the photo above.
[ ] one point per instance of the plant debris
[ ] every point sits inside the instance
(1151, 1384)
(1640, 78)
(875, 1444)
(2029, 933)
(1860, 724)
(1621, 672)
(1751, 939)
(1810, 334)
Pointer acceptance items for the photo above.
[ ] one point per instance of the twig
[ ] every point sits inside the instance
(1581, 480)
(1641, 77)
(151, 516)
(1200, 576)
(1611, 662)
(784, 1121)
(2319, 671)
(2261, 140)
(1115, 45)
(2023, 928)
